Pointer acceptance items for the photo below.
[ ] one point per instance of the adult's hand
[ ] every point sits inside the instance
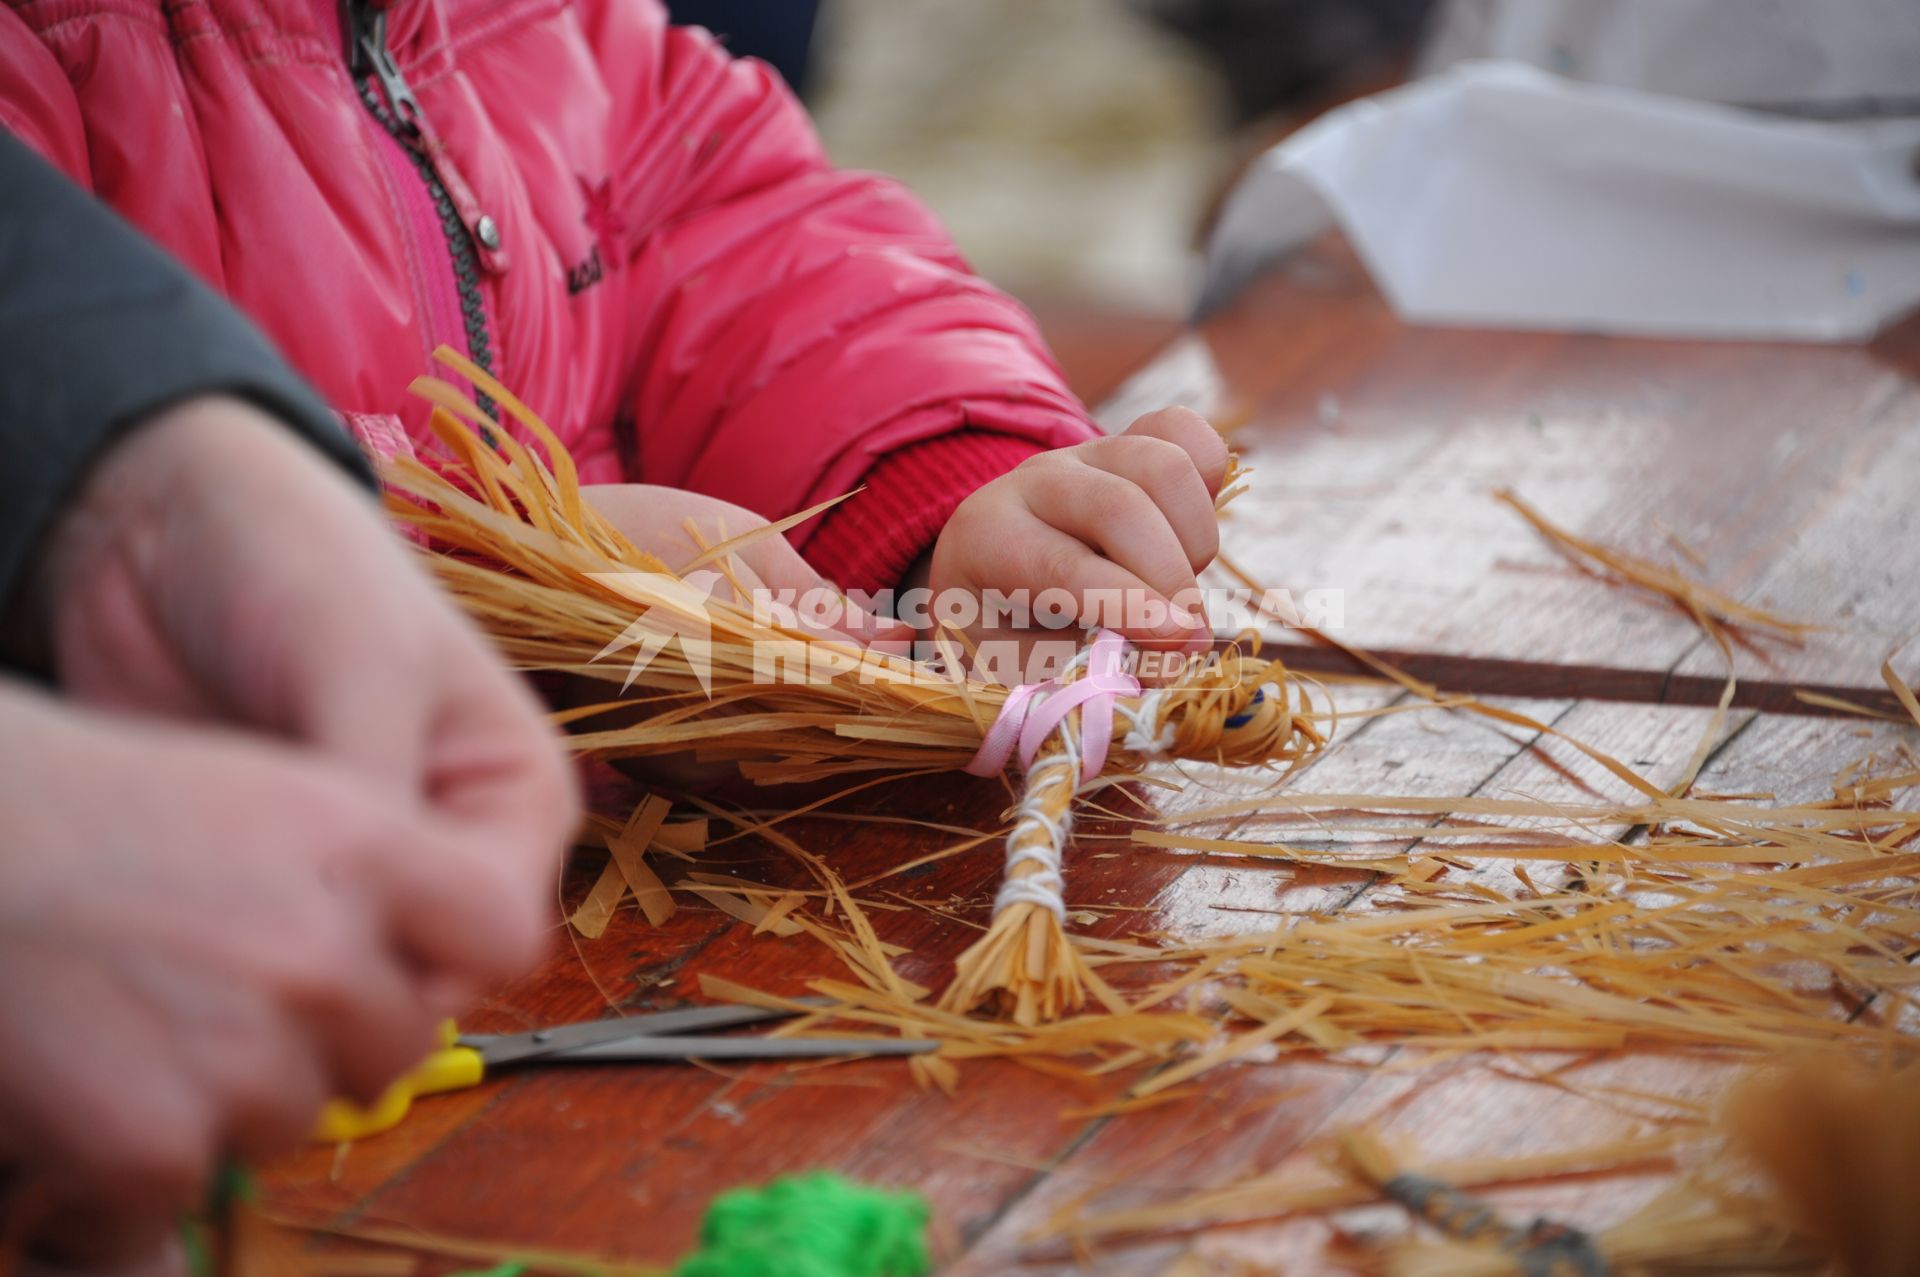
(215, 570)
(205, 934)
(294, 811)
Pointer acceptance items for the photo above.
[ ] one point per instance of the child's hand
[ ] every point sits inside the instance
(654, 518)
(1132, 513)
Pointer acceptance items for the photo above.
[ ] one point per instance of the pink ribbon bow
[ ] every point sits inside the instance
(1033, 710)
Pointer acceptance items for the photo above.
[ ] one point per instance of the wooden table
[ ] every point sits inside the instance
(1787, 471)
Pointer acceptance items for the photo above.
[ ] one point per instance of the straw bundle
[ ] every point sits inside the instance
(560, 590)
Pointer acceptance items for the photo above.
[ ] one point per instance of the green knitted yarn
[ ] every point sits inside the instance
(815, 1225)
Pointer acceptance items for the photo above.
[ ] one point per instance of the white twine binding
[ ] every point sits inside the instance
(1147, 735)
(1141, 737)
(1046, 886)
(1041, 840)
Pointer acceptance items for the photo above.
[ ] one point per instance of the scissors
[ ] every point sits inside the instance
(463, 1059)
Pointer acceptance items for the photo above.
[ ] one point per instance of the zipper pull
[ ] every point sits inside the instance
(366, 25)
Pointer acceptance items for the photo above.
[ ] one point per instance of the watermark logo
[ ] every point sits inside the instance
(1036, 635)
(679, 614)
(1223, 611)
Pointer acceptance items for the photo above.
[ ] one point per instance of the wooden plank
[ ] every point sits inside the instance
(1376, 447)
(1276, 1123)
(1265, 1118)
(620, 1162)
(1847, 568)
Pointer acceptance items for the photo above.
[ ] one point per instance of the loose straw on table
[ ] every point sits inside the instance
(561, 590)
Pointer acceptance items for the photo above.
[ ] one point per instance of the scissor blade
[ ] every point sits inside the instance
(742, 1048)
(519, 1048)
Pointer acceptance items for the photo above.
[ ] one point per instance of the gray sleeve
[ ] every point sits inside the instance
(99, 328)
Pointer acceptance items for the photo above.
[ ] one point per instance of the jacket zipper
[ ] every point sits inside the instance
(472, 239)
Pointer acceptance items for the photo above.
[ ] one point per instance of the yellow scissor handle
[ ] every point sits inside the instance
(450, 1068)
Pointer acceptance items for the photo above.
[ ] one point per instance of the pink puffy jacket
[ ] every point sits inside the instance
(638, 233)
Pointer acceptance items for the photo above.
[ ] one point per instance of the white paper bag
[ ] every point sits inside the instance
(1498, 195)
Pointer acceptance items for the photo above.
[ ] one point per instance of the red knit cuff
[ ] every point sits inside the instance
(867, 542)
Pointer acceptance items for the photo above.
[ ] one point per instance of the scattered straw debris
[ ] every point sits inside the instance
(1731, 925)
(1709, 607)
